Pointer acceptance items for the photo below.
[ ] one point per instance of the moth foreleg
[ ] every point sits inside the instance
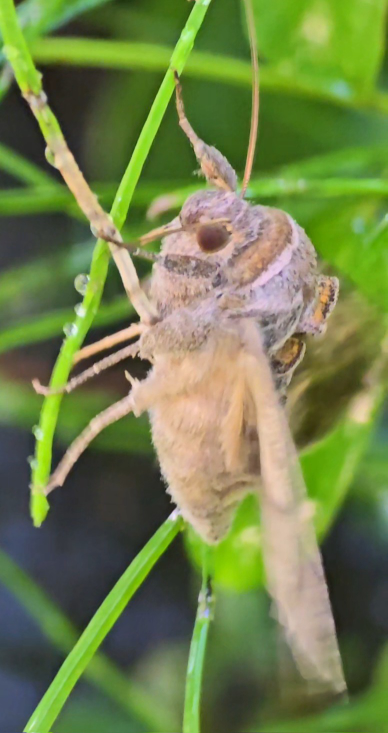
(135, 329)
(128, 351)
(101, 223)
(100, 422)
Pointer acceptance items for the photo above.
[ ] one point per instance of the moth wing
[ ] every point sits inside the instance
(292, 558)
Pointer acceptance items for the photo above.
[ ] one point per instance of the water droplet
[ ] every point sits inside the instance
(358, 225)
(32, 461)
(50, 157)
(70, 329)
(80, 310)
(341, 89)
(38, 432)
(81, 283)
(282, 183)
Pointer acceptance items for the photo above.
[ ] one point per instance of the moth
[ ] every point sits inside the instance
(234, 291)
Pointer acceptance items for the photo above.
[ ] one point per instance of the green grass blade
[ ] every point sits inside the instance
(40, 16)
(20, 202)
(41, 327)
(153, 57)
(29, 79)
(32, 279)
(43, 199)
(101, 623)
(22, 169)
(56, 627)
(19, 404)
(195, 666)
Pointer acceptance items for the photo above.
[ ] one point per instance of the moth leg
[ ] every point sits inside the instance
(100, 366)
(315, 321)
(214, 165)
(285, 361)
(135, 329)
(141, 398)
(63, 159)
(107, 417)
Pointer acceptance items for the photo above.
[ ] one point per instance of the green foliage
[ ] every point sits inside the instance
(57, 628)
(326, 41)
(29, 79)
(195, 664)
(87, 645)
(354, 237)
(324, 153)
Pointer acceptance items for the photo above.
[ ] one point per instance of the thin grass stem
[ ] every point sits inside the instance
(29, 81)
(37, 17)
(20, 202)
(195, 667)
(152, 57)
(57, 628)
(23, 170)
(114, 604)
(41, 327)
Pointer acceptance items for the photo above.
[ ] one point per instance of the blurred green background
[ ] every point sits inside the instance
(322, 156)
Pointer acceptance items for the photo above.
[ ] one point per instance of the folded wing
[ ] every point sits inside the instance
(292, 558)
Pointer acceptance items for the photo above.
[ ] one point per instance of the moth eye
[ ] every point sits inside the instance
(212, 237)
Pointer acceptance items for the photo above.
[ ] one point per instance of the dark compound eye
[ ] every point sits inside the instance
(212, 237)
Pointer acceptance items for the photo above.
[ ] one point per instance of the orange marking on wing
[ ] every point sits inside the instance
(328, 290)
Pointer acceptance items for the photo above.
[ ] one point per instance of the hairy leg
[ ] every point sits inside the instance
(141, 398)
(107, 417)
(101, 222)
(93, 371)
(135, 329)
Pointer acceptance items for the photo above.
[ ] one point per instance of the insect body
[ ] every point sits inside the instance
(228, 264)
(206, 436)
(235, 288)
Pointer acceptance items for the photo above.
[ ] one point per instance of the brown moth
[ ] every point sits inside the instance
(233, 292)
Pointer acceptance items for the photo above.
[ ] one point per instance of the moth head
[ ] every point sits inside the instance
(212, 236)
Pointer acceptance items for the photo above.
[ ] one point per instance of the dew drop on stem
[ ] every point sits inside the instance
(81, 283)
(80, 310)
(37, 432)
(50, 157)
(32, 461)
(70, 329)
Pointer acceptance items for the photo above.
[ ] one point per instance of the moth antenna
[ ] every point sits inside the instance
(93, 371)
(255, 95)
(152, 236)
